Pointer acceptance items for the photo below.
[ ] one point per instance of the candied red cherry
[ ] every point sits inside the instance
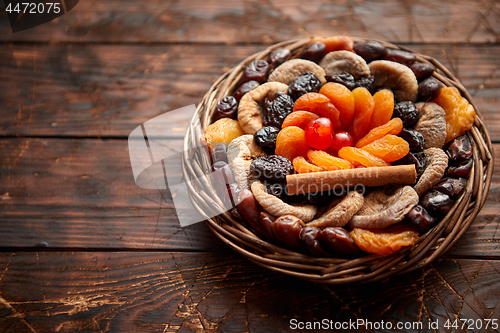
(258, 70)
(244, 88)
(342, 139)
(277, 57)
(227, 107)
(319, 133)
(313, 52)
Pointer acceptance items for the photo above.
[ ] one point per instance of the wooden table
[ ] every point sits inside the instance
(84, 249)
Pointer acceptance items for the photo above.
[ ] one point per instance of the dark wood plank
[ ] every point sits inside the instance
(81, 193)
(155, 292)
(265, 21)
(108, 90)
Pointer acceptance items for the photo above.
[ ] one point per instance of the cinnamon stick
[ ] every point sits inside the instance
(338, 180)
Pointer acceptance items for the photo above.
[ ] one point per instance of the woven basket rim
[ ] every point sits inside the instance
(331, 270)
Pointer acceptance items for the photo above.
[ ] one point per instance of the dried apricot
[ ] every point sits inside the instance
(301, 165)
(356, 155)
(384, 106)
(328, 162)
(364, 105)
(390, 148)
(393, 126)
(460, 114)
(343, 99)
(299, 119)
(320, 105)
(384, 242)
(336, 43)
(291, 142)
(223, 130)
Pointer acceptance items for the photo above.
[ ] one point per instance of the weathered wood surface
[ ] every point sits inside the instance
(218, 21)
(206, 292)
(80, 193)
(108, 90)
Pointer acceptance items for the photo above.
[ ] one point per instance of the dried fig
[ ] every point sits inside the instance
(432, 124)
(290, 70)
(339, 62)
(398, 77)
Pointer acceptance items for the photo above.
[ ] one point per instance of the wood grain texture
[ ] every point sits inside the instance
(202, 292)
(81, 193)
(108, 90)
(245, 21)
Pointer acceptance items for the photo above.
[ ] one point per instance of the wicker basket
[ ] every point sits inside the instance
(237, 235)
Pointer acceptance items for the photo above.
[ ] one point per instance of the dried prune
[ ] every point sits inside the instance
(453, 187)
(419, 218)
(461, 170)
(422, 70)
(418, 159)
(286, 229)
(277, 109)
(365, 82)
(459, 150)
(277, 57)
(266, 139)
(272, 167)
(227, 107)
(309, 237)
(314, 51)
(338, 241)
(414, 138)
(403, 57)
(219, 154)
(345, 78)
(258, 70)
(370, 50)
(244, 88)
(304, 84)
(428, 89)
(407, 112)
(437, 203)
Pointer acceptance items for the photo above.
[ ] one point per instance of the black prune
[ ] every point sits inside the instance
(258, 70)
(277, 57)
(338, 241)
(309, 238)
(436, 203)
(419, 218)
(370, 50)
(219, 153)
(365, 82)
(313, 52)
(422, 70)
(272, 167)
(345, 79)
(459, 150)
(428, 89)
(461, 170)
(403, 57)
(244, 88)
(276, 109)
(414, 138)
(304, 84)
(227, 107)
(418, 159)
(453, 187)
(407, 112)
(265, 138)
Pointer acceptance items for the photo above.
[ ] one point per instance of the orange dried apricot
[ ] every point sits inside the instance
(320, 105)
(384, 241)
(460, 114)
(223, 130)
(364, 105)
(343, 99)
(393, 126)
(328, 162)
(356, 155)
(384, 107)
(336, 43)
(299, 119)
(301, 165)
(291, 142)
(390, 148)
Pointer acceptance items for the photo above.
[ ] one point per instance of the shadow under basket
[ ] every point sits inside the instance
(330, 270)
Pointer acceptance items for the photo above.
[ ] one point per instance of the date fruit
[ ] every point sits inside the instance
(403, 57)
(422, 70)
(248, 207)
(313, 52)
(428, 90)
(258, 70)
(227, 107)
(437, 203)
(286, 229)
(461, 170)
(370, 50)
(309, 238)
(244, 88)
(419, 218)
(277, 57)
(453, 187)
(459, 150)
(338, 241)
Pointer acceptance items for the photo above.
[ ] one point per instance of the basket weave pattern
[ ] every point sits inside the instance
(235, 233)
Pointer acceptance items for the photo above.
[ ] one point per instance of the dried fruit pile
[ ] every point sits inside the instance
(337, 105)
